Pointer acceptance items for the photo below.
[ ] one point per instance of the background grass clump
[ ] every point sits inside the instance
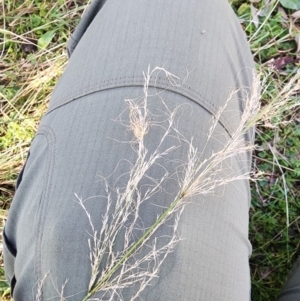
(33, 36)
(273, 33)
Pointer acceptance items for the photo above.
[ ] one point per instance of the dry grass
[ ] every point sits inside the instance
(125, 268)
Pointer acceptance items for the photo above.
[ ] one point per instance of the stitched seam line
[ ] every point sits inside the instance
(139, 81)
(51, 151)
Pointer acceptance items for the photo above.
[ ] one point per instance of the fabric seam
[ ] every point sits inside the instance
(139, 81)
(41, 218)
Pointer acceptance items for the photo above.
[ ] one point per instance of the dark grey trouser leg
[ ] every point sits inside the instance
(47, 231)
(291, 289)
(85, 22)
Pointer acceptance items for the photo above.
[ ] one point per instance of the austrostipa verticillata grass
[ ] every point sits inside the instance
(124, 268)
(112, 270)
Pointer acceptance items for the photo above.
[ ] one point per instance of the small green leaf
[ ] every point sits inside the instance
(292, 4)
(45, 39)
(244, 9)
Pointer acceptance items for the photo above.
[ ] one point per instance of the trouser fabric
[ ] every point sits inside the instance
(84, 138)
(291, 289)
